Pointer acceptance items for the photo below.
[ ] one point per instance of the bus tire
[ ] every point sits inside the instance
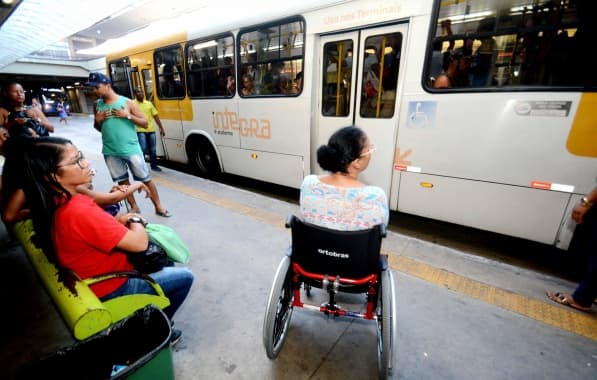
(203, 159)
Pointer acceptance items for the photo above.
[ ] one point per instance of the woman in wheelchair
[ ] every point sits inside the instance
(339, 201)
(77, 234)
(336, 246)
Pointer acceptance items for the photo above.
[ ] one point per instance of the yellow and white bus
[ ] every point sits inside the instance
(483, 112)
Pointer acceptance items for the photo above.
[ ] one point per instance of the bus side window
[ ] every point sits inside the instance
(535, 46)
(337, 79)
(381, 66)
(210, 66)
(119, 73)
(271, 56)
(169, 73)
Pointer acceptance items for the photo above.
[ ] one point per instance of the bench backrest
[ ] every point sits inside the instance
(349, 254)
(84, 313)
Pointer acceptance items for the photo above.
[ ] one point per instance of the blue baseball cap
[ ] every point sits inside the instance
(97, 78)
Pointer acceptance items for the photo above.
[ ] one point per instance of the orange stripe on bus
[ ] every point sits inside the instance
(541, 185)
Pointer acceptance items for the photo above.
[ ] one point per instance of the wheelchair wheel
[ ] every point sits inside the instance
(279, 310)
(386, 326)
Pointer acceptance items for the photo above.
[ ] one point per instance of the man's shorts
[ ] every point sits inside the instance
(119, 166)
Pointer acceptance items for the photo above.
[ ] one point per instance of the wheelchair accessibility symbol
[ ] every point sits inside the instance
(421, 114)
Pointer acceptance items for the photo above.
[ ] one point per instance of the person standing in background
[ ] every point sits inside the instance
(147, 137)
(586, 291)
(20, 119)
(35, 104)
(62, 114)
(116, 117)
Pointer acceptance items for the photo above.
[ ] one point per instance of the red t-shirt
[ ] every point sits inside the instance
(85, 238)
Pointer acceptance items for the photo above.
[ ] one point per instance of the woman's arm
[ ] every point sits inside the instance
(586, 203)
(37, 114)
(3, 117)
(136, 239)
(117, 194)
(15, 208)
(101, 199)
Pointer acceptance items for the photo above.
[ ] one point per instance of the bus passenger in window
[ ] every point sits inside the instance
(442, 81)
(436, 66)
(456, 73)
(370, 58)
(275, 80)
(348, 59)
(483, 60)
(298, 83)
(230, 86)
(248, 85)
(222, 75)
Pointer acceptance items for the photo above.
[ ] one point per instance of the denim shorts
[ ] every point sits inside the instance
(119, 166)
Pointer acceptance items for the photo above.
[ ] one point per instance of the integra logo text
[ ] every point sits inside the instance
(333, 254)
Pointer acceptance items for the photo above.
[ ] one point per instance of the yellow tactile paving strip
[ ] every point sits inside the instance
(546, 312)
(570, 320)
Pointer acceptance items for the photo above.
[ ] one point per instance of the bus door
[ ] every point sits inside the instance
(144, 79)
(121, 75)
(169, 97)
(336, 87)
(359, 82)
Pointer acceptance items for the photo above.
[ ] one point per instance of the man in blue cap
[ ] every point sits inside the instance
(117, 118)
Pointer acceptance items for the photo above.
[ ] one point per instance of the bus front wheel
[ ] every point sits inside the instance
(203, 158)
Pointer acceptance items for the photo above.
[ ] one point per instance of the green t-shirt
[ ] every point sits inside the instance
(119, 135)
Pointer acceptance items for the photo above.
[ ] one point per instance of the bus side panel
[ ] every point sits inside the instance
(171, 143)
(487, 206)
(496, 137)
(279, 124)
(218, 118)
(277, 168)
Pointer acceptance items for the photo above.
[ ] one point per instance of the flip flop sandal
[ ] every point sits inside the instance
(165, 213)
(566, 300)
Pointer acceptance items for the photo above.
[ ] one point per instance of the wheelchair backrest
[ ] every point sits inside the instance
(349, 254)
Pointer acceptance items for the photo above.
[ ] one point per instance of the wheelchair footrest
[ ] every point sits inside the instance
(332, 309)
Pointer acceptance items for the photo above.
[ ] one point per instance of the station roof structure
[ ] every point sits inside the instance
(75, 30)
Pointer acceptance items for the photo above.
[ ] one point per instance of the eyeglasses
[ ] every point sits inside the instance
(372, 149)
(78, 162)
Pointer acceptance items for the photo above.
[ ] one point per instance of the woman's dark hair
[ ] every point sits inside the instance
(44, 194)
(343, 147)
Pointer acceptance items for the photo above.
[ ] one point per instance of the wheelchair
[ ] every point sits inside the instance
(334, 261)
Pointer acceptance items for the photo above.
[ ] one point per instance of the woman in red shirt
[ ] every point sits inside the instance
(77, 234)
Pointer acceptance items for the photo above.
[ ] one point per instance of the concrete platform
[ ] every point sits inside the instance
(459, 316)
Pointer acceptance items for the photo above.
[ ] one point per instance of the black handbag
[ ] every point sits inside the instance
(153, 259)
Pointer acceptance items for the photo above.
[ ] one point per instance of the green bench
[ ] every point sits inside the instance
(83, 312)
